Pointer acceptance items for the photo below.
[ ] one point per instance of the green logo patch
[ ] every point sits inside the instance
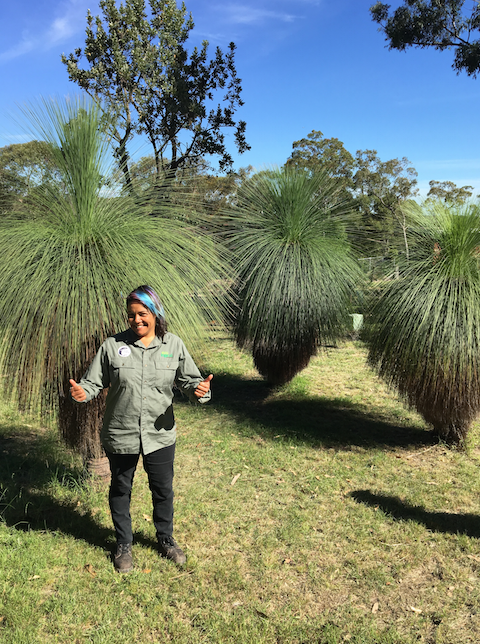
(166, 355)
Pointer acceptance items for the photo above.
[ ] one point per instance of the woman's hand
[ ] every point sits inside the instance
(77, 392)
(202, 387)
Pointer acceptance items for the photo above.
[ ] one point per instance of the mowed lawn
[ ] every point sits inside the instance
(321, 512)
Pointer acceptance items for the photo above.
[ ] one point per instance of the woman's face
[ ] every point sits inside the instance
(141, 320)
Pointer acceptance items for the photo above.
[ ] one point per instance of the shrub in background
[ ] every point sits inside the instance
(424, 328)
(297, 275)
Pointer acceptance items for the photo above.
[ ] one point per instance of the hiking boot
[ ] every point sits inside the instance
(123, 560)
(169, 549)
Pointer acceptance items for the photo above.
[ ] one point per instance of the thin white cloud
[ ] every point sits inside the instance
(61, 29)
(69, 21)
(25, 45)
(226, 22)
(248, 15)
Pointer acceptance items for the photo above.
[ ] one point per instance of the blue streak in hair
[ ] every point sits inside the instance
(150, 304)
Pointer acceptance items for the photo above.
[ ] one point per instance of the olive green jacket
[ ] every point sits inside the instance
(139, 414)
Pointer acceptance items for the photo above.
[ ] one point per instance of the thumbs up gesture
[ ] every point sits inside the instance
(77, 392)
(202, 387)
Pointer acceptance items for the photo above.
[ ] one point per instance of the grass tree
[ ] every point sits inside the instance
(424, 328)
(66, 268)
(297, 277)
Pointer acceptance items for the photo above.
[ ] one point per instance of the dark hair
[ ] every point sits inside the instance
(147, 297)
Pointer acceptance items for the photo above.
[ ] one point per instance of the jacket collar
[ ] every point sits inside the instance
(134, 339)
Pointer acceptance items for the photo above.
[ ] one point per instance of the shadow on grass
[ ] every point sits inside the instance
(28, 463)
(467, 524)
(337, 423)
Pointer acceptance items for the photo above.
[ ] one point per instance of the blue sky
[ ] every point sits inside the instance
(305, 65)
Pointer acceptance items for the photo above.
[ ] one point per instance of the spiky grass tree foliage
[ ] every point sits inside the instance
(297, 277)
(424, 328)
(65, 271)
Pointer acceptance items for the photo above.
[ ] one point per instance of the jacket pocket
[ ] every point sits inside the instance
(121, 372)
(165, 371)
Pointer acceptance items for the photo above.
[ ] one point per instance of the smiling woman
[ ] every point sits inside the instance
(140, 366)
(142, 322)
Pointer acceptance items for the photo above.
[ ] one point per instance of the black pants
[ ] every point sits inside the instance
(159, 468)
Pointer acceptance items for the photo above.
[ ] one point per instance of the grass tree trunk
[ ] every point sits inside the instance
(453, 434)
(80, 426)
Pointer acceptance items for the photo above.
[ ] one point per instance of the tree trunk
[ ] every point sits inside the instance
(454, 434)
(80, 424)
(99, 468)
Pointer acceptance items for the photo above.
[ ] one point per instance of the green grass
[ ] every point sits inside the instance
(316, 513)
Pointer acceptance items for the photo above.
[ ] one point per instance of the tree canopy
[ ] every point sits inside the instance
(441, 24)
(23, 168)
(315, 153)
(449, 192)
(377, 188)
(138, 68)
(381, 188)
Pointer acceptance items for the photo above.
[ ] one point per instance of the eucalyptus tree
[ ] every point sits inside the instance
(315, 153)
(377, 188)
(65, 271)
(23, 168)
(424, 328)
(297, 276)
(441, 24)
(381, 188)
(449, 192)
